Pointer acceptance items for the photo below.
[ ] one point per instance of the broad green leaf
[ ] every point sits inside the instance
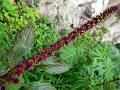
(69, 54)
(58, 68)
(23, 43)
(51, 60)
(40, 86)
(55, 65)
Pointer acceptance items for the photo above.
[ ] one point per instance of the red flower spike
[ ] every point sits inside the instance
(39, 60)
(30, 65)
(7, 76)
(11, 77)
(20, 69)
(90, 24)
(42, 56)
(47, 51)
(33, 58)
(63, 41)
(82, 32)
(15, 80)
(54, 47)
(95, 20)
(72, 35)
(84, 27)
(69, 40)
(77, 31)
(59, 44)
(24, 64)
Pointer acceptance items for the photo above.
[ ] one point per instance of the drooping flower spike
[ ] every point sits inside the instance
(12, 74)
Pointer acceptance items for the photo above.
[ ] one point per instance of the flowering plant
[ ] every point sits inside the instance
(12, 74)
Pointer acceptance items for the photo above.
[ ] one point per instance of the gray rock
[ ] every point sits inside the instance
(69, 14)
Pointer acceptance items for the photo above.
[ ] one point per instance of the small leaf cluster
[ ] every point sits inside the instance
(14, 17)
(45, 32)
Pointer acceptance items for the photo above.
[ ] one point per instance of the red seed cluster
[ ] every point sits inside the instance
(18, 70)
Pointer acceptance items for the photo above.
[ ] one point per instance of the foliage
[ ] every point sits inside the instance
(69, 53)
(83, 65)
(23, 43)
(13, 19)
(4, 46)
(96, 63)
(45, 33)
(56, 66)
(23, 32)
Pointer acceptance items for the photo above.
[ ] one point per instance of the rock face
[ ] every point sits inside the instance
(69, 14)
(113, 26)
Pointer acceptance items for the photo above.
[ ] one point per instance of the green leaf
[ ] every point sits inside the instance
(54, 65)
(58, 68)
(41, 86)
(69, 54)
(2, 67)
(23, 43)
(103, 61)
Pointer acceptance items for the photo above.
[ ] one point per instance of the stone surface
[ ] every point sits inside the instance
(69, 14)
(113, 26)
